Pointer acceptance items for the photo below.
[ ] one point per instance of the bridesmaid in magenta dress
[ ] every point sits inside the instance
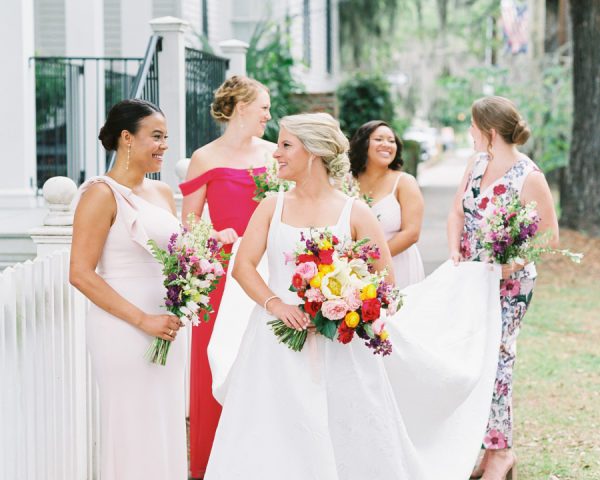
(218, 175)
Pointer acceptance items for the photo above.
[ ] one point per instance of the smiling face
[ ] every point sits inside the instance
(148, 144)
(382, 146)
(292, 158)
(256, 114)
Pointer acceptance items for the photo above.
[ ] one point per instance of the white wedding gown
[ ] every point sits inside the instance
(337, 412)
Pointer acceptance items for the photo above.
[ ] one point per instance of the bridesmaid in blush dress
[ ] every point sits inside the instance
(376, 160)
(219, 175)
(142, 405)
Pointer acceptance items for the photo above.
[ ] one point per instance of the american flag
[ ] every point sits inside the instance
(515, 25)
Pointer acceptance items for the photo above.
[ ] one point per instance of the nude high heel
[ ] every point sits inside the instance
(512, 473)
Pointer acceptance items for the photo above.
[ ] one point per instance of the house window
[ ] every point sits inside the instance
(306, 31)
(205, 18)
(328, 38)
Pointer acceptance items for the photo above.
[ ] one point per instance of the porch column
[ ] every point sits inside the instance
(171, 78)
(84, 37)
(17, 123)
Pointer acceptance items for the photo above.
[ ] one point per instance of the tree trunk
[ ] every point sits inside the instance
(580, 188)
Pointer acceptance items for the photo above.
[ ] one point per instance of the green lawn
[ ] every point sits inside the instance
(557, 377)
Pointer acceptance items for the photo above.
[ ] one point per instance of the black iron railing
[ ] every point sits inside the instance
(203, 75)
(145, 85)
(61, 108)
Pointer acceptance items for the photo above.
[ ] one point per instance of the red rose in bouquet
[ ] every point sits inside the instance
(371, 309)
(326, 256)
(305, 257)
(345, 333)
(312, 308)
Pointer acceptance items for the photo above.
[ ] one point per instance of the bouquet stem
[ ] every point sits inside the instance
(293, 338)
(157, 351)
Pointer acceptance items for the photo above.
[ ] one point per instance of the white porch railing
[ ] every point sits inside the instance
(48, 400)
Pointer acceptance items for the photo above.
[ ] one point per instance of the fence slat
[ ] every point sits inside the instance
(48, 399)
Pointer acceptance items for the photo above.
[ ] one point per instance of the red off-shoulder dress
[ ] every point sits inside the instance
(229, 193)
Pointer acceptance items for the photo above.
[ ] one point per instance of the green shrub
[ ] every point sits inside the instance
(363, 98)
(411, 152)
(269, 60)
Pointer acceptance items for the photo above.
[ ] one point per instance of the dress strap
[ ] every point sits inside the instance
(393, 192)
(127, 208)
(521, 174)
(477, 170)
(344, 219)
(278, 208)
(190, 186)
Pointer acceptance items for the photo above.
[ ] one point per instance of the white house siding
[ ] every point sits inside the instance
(219, 22)
(164, 8)
(315, 77)
(246, 14)
(112, 28)
(192, 13)
(49, 17)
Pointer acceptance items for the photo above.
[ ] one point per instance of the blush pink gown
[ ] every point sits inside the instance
(142, 405)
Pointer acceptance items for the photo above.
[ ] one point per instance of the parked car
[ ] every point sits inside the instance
(427, 138)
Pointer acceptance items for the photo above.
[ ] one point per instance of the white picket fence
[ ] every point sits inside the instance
(48, 399)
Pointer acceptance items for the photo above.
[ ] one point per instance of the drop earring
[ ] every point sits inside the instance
(128, 156)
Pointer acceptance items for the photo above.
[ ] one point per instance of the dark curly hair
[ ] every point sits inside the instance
(359, 146)
(125, 115)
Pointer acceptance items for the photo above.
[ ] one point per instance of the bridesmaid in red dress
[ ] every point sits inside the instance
(218, 174)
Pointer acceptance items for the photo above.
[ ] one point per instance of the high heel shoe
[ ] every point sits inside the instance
(477, 472)
(511, 473)
(479, 469)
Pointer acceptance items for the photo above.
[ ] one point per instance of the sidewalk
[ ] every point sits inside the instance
(439, 180)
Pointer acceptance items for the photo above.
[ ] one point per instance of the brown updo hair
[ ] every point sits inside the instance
(125, 115)
(500, 114)
(232, 91)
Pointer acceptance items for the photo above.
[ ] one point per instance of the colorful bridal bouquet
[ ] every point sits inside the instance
(192, 265)
(342, 292)
(268, 181)
(351, 187)
(510, 233)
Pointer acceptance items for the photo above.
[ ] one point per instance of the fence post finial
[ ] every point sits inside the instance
(57, 231)
(235, 51)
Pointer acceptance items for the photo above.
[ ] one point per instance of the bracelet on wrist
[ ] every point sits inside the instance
(266, 302)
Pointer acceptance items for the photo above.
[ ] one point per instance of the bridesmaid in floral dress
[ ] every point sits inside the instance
(219, 175)
(500, 170)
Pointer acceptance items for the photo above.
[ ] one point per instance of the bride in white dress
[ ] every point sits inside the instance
(327, 412)
(330, 412)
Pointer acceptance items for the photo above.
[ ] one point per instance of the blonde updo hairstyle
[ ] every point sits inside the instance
(321, 136)
(500, 114)
(232, 91)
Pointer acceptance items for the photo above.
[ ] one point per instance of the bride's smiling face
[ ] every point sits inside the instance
(292, 158)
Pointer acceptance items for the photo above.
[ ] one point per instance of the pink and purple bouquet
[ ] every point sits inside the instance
(510, 233)
(192, 265)
(268, 181)
(341, 292)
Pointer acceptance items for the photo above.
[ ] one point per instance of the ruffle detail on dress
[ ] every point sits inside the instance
(190, 186)
(126, 208)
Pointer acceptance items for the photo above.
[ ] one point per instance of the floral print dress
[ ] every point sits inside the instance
(515, 292)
